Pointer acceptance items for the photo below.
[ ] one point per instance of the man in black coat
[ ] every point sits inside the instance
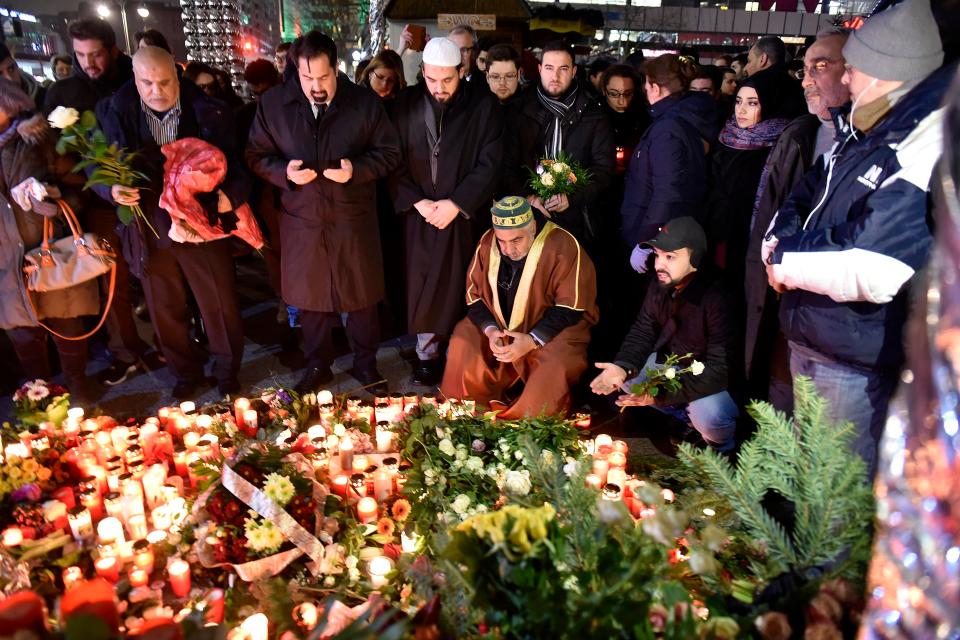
(451, 134)
(143, 115)
(323, 141)
(689, 312)
(768, 57)
(99, 69)
(558, 115)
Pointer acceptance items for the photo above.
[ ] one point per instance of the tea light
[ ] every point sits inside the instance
(240, 406)
(593, 481)
(346, 453)
(81, 524)
(143, 557)
(108, 568)
(71, 575)
(602, 444)
(384, 437)
(138, 577)
(12, 537)
(367, 510)
(179, 573)
(188, 407)
(379, 568)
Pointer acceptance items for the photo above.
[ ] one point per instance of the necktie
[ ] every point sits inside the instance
(321, 109)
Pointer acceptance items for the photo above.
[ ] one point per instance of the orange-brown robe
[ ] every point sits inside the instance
(557, 272)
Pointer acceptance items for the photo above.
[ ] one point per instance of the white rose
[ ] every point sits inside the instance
(339, 430)
(696, 367)
(351, 561)
(460, 503)
(474, 464)
(560, 168)
(447, 447)
(670, 373)
(517, 482)
(461, 453)
(546, 180)
(63, 117)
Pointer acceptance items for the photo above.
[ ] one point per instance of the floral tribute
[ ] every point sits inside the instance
(296, 517)
(667, 377)
(561, 175)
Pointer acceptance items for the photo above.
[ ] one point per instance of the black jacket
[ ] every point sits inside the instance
(81, 92)
(667, 175)
(588, 140)
(122, 120)
(694, 320)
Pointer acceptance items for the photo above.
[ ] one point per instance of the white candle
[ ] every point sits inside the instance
(600, 469)
(382, 485)
(250, 419)
(616, 476)
(240, 405)
(601, 442)
(379, 568)
(408, 543)
(204, 422)
(81, 524)
(190, 440)
(316, 431)
(188, 407)
(12, 537)
(324, 397)
(346, 453)
(367, 510)
(256, 627)
(384, 438)
(137, 526)
(110, 531)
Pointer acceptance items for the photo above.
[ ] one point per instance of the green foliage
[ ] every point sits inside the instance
(566, 176)
(806, 461)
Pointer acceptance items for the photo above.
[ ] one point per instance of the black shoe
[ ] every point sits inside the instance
(312, 379)
(118, 372)
(188, 389)
(153, 360)
(372, 380)
(229, 387)
(428, 372)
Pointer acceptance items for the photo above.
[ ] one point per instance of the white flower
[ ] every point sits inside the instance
(339, 430)
(696, 367)
(670, 373)
(351, 562)
(570, 468)
(63, 117)
(547, 456)
(475, 464)
(547, 180)
(517, 482)
(460, 503)
(518, 455)
(457, 464)
(353, 574)
(571, 584)
(446, 447)
(702, 562)
(329, 581)
(36, 394)
(560, 168)
(279, 489)
(461, 453)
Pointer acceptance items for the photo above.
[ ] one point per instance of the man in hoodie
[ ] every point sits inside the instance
(845, 246)
(10, 71)
(99, 69)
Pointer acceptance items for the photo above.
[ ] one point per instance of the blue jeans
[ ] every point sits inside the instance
(714, 416)
(855, 395)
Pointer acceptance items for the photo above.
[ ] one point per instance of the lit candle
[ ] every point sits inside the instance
(382, 485)
(163, 415)
(603, 443)
(384, 437)
(379, 568)
(180, 462)
(621, 446)
(148, 438)
(593, 481)
(256, 627)
(361, 462)
(188, 407)
(346, 454)
(240, 405)
(408, 542)
(143, 557)
(71, 575)
(190, 440)
(324, 396)
(367, 510)
(250, 426)
(600, 469)
(306, 615)
(358, 486)
(316, 431)
(582, 420)
(12, 537)
(137, 526)
(91, 500)
(616, 476)
(340, 484)
(108, 568)
(55, 512)
(81, 524)
(110, 531)
(617, 460)
(138, 577)
(75, 414)
(179, 573)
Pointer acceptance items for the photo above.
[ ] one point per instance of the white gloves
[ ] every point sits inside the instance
(638, 259)
(30, 187)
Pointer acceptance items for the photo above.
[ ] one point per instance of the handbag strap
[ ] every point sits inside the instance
(103, 317)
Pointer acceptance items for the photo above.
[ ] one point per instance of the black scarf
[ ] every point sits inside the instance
(560, 108)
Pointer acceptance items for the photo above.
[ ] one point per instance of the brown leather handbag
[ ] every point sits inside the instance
(69, 261)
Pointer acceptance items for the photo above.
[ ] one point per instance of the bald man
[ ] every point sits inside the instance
(152, 110)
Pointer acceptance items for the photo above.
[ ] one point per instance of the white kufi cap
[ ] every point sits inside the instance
(441, 52)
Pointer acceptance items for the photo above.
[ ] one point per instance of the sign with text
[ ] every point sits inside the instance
(479, 21)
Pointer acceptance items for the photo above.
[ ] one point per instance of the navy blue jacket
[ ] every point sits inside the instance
(850, 237)
(667, 176)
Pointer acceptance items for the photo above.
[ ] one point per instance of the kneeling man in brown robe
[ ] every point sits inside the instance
(531, 298)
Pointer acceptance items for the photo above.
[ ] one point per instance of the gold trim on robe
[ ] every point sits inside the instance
(526, 278)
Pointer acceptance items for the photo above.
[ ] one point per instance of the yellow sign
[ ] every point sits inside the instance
(479, 21)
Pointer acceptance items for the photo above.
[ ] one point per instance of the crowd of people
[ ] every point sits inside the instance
(763, 216)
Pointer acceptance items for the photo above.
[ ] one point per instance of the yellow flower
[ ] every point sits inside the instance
(14, 473)
(43, 474)
(29, 465)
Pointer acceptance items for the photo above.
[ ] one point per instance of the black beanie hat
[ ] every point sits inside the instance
(771, 87)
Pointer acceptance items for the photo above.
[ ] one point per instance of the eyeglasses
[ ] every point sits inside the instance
(816, 68)
(496, 78)
(616, 95)
(381, 78)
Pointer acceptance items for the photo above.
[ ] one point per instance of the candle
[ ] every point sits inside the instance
(603, 443)
(55, 512)
(137, 526)
(71, 575)
(358, 486)
(190, 440)
(600, 469)
(617, 460)
(621, 446)
(108, 568)
(81, 524)
(346, 454)
(12, 537)
(367, 510)
(384, 437)
(163, 415)
(143, 557)
(75, 414)
(612, 492)
(256, 627)
(179, 574)
(582, 420)
(91, 500)
(66, 496)
(306, 615)
(148, 438)
(188, 407)
(408, 542)
(138, 577)
(180, 462)
(593, 481)
(379, 568)
(250, 426)
(616, 476)
(382, 485)
(110, 531)
(324, 397)
(340, 484)
(240, 405)
(316, 431)
(361, 462)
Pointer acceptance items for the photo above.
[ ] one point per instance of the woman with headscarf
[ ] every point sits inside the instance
(738, 174)
(31, 169)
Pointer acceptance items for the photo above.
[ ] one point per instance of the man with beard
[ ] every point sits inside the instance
(99, 70)
(557, 115)
(689, 312)
(451, 134)
(324, 141)
(530, 297)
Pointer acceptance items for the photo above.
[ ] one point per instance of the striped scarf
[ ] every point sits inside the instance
(560, 109)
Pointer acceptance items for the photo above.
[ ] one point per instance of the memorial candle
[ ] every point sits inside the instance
(593, 481)
(12, 537)
(346, 454)
(616, 476)
(138, 577)
(71, 575)
(617, 460)
(621, 446)
(108, 568)
(340, 484)
(187, 407)
(250, 426)
(382, 485)
(384, 437)
(316, 431)
(256, 627)
(143, 557)
(110, 531)
(603, 444)
(93, 504)
(55, 513)
(179, 574)
(600, 469)
(190, 440)
(379, 568)
(240, 406)
(360, 463)
(367, 510)
(137, 526)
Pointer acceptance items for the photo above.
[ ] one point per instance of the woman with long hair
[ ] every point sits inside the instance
(384, 74)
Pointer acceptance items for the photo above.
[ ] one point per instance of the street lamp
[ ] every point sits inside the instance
(103, 11)
(143, 12)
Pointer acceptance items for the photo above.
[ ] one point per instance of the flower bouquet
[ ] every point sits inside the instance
(553, 177)
(113, 165)
(40, 401)
(666, 377)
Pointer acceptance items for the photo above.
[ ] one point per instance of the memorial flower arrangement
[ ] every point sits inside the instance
(561, 175)
(667, 377)
(40, 401)
(112, 165)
